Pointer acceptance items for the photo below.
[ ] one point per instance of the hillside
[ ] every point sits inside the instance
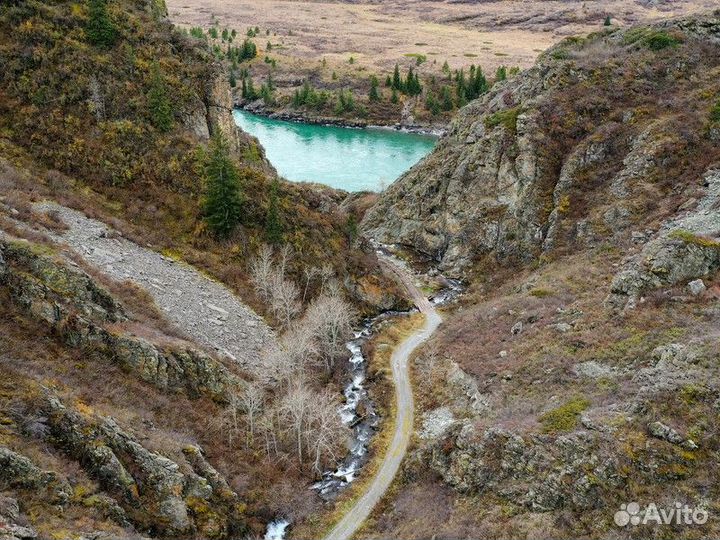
(146, 368)
(580, 370)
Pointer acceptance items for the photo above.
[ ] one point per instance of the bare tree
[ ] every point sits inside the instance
(326, 431)
(326, 272)
(252, 401)
(268, 428)
(230, 418)
(294, 409)
(331, 319)
(285, 257)
(310, 272)
(261, 271)
(284, 299)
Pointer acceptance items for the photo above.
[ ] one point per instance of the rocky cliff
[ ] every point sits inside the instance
(605, 136)
(580, 372)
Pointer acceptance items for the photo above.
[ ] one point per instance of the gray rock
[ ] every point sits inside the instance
(563, 328)
(594, 370)
(696, 287)
(664, 432)
(684, 249)
(516, 328)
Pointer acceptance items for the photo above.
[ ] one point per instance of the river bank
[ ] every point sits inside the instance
(306, 117)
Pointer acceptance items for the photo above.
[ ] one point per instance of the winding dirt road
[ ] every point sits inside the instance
(352, 521)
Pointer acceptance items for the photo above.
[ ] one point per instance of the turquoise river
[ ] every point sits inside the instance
(345, 158)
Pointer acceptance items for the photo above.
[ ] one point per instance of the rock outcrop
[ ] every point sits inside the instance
(686, 247)
(157, 493)
(77, 309)
(560, 157)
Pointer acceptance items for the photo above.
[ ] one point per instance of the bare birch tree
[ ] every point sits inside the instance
(261, 271)
(295, 408)
(284, 300)
(331, 319)
(251, 401)
(326, 431)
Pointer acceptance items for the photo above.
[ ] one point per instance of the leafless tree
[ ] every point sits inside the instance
(295, 408)
(330, 318)
(230, 418)
(326, 431)
(268, 428)
(252, 401)
(310, 272)
(284, 300)
(326, 272)
(261, 271)
(285, 257)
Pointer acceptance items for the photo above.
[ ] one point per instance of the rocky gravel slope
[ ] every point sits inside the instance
(204, 309)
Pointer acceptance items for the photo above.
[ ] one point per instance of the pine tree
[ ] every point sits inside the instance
(397, 81)
(161, 112)
(273, 227)
(223, 202)
(388, 81)
(374, 93)
(100, 29)
(431, 103)
(608, 21)
(447, 101)
(445, 67)
(233, 80)
(394, 98)
(501, 74)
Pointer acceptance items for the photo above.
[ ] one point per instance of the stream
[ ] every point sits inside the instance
(358, 411)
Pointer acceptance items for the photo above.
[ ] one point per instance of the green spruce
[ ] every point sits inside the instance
(100, 30)
(159, 104)
(222, 206)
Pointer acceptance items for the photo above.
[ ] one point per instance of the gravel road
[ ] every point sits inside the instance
(395, 453)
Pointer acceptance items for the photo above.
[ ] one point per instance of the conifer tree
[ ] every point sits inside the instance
(394, 98)
(447, 101)
(374, 93)
(388, 81)
(501, 74)
(161, 112)
(100, 29)
(222, 206)
(397, 81)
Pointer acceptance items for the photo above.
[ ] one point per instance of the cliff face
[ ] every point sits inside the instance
(581, 201)
(605, 135)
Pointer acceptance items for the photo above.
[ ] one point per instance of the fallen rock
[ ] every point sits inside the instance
(664, 432)
(696, 287)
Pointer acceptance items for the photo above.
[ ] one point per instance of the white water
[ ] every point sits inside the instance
(276, 529)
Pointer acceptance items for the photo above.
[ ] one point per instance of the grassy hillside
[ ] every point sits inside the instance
(84, 117)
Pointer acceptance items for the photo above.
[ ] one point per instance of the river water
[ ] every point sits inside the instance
(345, 158)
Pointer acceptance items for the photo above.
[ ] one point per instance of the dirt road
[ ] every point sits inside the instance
(395, 453)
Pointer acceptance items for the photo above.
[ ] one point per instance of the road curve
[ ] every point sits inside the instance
(351, 522)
